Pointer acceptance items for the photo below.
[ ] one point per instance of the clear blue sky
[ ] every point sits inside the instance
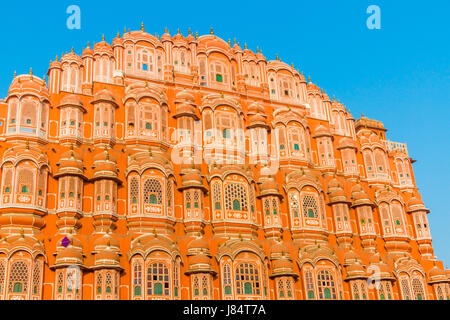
(399, 74)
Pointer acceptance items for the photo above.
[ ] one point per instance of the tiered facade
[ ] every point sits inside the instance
(180, 167)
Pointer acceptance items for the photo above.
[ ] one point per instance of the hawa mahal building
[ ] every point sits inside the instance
(180, 167)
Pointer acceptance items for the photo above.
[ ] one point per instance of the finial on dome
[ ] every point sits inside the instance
(103, 37)
(124, 30)
(57, 59)
(309, 79)
(31, 71)
(277, 57)
(229, 42)
(178, 31)
(118, 34)
(212, 31)
(190, 32)
(71, 50)
(234, 41)
(292, 65)
(245, 45)
(142, 27)
(87, 45)
(129, 30)
(15, 74)
(257, 49)
(362, 115)
(165, 30)
(196, 35)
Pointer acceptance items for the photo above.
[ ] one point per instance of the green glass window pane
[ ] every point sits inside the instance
(137, 290)
(219, 78)
(327, 293)
(248, 288)
(311, 295)
(228, 290)
(217, 206)
(296, 147)
(158, 289)
(153, 199)
(236, 205)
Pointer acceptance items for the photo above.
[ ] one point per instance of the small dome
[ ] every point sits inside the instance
(29, 84)
(71, 100)
(166, 37)
(104, 96)
(199, 243)
(346, 143)
(322, 131)
(103, 47)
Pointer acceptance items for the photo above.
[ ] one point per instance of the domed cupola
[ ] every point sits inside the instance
(336, 193)
(70, 163)
(106, 252)
(105, 165)
(256, 116)
(185, 105)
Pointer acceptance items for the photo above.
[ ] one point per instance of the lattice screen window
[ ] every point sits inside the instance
(418, 289)
(60, 282)
(281, 288)
(108, 282)
(137, 279)
(152, 192)
(7, 180)
(309, 205)
(205, 286)
(217, 195)
(267, 207)
(99, 283)
(196, 199)
(236, 197)
(158, 280)
(134, 190)
(309, 284)
(326, 285)
(294, 204)
(187, 199)
(18, 277)
(176, 277)
(169, 193)
(196, 286)
(25, 181)
(355, 288)
(289, 288)
(37, 277)
(247, 280)
(227, 279)
(2, 276)
(404, 284)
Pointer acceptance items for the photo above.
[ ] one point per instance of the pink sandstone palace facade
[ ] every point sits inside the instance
(183, 168)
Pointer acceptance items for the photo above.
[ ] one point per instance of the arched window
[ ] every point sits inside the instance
(134, 190)
(247, 280)
(144, 61)
(418, 289)
(309, 281)
(137, 279)
(99, 283)
(326, 285)
(227, 279)
(218, 73)
(236, 197)
(18, 277)
(152, 192)
(309, 205)
(217, 196)
(25, 181)
(406, 291)
(149, 120)
(158, 282)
